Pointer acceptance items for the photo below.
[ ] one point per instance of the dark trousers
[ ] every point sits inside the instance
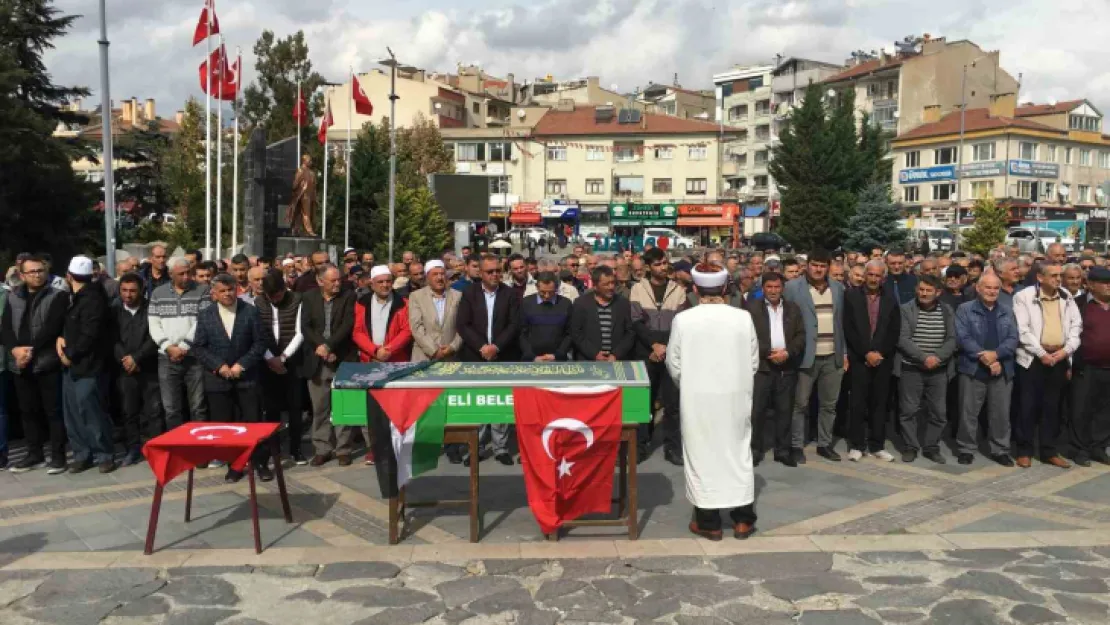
(664, 389)
(710, 520)
(88, 426)
(239, 404)
(870, 390)
(1040, 388)
(140, 403)
(39, 396)
(1090, 417)
(284, 393)
(774, 390)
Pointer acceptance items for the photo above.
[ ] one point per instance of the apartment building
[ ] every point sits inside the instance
(789, 81)
(581, 91)
(675, 101)
(131, 115)
(1048, 161)
(744, 106)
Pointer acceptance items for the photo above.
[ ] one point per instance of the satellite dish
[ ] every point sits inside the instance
(439, 105)
(614, 87)
(521, 113)
(1099, 193)
(1064, 191)
(897, 114)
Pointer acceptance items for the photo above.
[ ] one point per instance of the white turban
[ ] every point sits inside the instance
(434, 264)
(709, 280)
(380, 270)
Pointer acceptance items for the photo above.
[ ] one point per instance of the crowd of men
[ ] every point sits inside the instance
(871, 347)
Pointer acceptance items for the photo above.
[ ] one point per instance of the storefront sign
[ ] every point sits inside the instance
(927, 174)
(722, 211)
(1034, 169)
(560, 210)
(642, 214)
(984, 170)
(526, 207)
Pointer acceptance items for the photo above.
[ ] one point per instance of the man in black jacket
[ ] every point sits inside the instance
(782, 342)
(32, 322)
(137, 356)
(545, 322)
(279, 309)
(601, 321)
(83, 349)
(872, 322)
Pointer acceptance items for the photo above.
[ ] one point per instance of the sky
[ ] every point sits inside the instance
(1056, 46)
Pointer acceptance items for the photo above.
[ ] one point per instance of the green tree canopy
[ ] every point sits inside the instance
(875, 223)
(989, 230)
(281, 65)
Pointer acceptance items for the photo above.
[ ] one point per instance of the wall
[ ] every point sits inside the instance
(936, 79)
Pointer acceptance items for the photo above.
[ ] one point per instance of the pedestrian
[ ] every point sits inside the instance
(901, 284)
(279, 310)
(136, 355)
(156, 273)
(545, 323)
(172, 318)
(1090, 422)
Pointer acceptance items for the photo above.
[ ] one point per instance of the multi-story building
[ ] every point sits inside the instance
(744, 106)
(582, 92)
(1047, 161)
(131, 115)
(789, 81)
(675, 101)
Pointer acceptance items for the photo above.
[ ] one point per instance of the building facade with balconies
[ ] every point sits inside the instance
(745, 108)
(789, 81)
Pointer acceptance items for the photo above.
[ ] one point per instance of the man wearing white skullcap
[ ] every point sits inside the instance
(713, 354)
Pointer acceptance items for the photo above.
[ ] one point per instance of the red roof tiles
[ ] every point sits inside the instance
(864, 68)
(1031, 110)
(975, 120)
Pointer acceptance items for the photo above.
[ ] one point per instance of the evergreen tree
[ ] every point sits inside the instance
(183, 170)
(875, 165)
(989, 230)
(875, 223)
(142, 181)
(281, 65)
(794, 167)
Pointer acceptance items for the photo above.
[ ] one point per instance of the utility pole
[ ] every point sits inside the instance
(960, 161)
(392, 145)
(106, 130)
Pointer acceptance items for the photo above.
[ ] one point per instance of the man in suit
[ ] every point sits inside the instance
(824, 362)
(489, 324)
(545, 323)
(327, 320)
(872, 323)
(601, 321)
(230, 344)
(432, 312)
(136, 354)
(782, 342)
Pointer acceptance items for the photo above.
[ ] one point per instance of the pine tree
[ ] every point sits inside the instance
(795, 168)
(989, 230)
(875, 165)
(281, 65)
(183, 169)
(875, 223)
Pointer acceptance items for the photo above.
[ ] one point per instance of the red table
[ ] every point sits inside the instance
(186, 446)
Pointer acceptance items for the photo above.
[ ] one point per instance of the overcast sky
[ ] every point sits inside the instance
(1057, 46)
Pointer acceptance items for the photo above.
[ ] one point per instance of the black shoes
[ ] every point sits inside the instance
(108, 466)
(674, 456)
(1081, 459)
(909, 455)
(787, 459)
(80, 466)
(1003, 459)
(264, 473)
(935, 457)
(757, 457)
(504, 458)
(299, 459)
(642, 452)
(799, 456)
(454, 456)
(1101, 457)
(133, 457)
(828, 454)
(965, 458)
(233, 476)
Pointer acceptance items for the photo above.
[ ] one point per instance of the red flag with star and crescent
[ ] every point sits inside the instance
(206, 29)
(225, 77)
(568, 447)
(363, 106)
(327, 122)
(191, 444)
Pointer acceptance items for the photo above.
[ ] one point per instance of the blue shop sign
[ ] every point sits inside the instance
(1034, 169)
(927, 174)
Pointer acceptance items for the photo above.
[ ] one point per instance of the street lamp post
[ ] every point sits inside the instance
(392, 63)
(960, 160)
(106, 131)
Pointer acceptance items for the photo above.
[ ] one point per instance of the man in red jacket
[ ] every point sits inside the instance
(382, 331)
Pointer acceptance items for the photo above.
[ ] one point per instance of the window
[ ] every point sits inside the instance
(1052, 154)
(1104, 159)
(556, 187)
(1084, 122)
(661, 186)
(755, 83)
(1084, 194)
(1027, 151)
(629, 185)
(594, 153)
(500, 184)
(911, 194)
(726, 90)
(664, 153)
(625, 154)
(500, 151)
(556, 152)
(1025, 189)
(762, 133)
(760, 182)
(944, 156)
(1085, 157)
(945, 191)
(1067, 156)
(872, 89)
(735, 184)
(763, 107)
(913, 159)
(476, 109)
(1049, 194)
(465, 152)
(982, 188)
(697, 152)
(696, 186)
(740, 158)
(761, 157)
(891, 89)
(738, 113)
(982, 152)
(595, 186)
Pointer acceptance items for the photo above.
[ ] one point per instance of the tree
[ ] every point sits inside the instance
(989, 230)
(45, 206)
(281, 65)
(142, 181)
(183, 169)
(875, 165)
(875, 223)
(419, 225)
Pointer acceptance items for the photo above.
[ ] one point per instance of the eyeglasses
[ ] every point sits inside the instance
(34, 272)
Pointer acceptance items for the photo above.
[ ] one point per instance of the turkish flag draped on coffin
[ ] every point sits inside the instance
(568, 440)
(190, 444)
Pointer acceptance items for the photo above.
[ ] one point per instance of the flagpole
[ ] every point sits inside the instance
(208, 135)
(347, 218)
(324, 209)
(299, 120)
(106, 138)
(220, 153)
(235, 168)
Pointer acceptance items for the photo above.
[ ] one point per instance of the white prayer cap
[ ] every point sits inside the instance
(287, 262)
(709, 276)
(380, 270)
(80, 266)
(434, 264)
(771, 258)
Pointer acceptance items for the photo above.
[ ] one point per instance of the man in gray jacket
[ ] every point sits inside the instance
(925, 363)
(172, 318)
(821, 301)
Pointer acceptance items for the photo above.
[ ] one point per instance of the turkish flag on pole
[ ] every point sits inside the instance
(568, 442)
(362, 101)
(202, 31)
(325, 123)
(300, 109)
(220, 75)
(229, 88)
(188, 445)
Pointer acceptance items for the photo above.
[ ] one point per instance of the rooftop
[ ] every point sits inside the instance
(582, 122)
(975, 120)
(1030, 110)
(865, 68)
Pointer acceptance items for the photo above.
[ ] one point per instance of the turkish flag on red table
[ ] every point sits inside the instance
(568, 446)
(188, 445)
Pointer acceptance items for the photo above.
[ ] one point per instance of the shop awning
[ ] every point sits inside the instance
(525, 218)
(754, 211)
(706, 222)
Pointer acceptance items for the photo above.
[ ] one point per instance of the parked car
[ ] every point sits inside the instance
(675, 240)
(1027, 239)
(769, 242)
(940, 238)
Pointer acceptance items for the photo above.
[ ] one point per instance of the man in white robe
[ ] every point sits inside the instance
(713, 355)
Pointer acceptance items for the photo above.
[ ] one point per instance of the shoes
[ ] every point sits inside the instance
(909, 456)
(854, 455)
(466, 461)
(741, 531)
(674, 456)
(135, 456)
(320, 460)
(453, 455)
(1100, 457)
(1057, 462)
(216, 464)
(299, 459)
(882, 455)
(757, 458)
(369, 459)
(965, 458)
(1082, 459)
(936, 457)
(203, 465)
(504, 458)
(1003, 459)
(714, 535)
(3, 461)
(264, 473)
(233, 476)
(80, 466)
(1023, 462)
(828, 454)
(642, 453)
(799, 456)
(27, 464)
(786, 459)
(108, 466)
(344, 460)
(56, 466)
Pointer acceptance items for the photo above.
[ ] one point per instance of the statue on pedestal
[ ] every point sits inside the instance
(303, 201)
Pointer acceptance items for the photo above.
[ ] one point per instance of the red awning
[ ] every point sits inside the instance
(705, 222)
(525, 218)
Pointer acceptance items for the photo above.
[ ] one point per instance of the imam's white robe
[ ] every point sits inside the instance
(713, 355)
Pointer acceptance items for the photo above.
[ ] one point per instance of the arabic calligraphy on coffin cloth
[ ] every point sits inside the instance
(376, 375)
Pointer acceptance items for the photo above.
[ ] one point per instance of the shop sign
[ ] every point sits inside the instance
(927, 174)
(724, 211)
(526, 207)
(985, 169)
(1034, 169)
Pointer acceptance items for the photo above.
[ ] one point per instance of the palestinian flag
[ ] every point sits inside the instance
(408, 433)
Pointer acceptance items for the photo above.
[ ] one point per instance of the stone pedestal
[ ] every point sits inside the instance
(299, 246)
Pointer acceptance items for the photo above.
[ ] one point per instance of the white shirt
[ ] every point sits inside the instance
(491, 300)
(131, 310)
(296, 341)
(778, 335)
(227, 316)
(379, 319)
(440, 302)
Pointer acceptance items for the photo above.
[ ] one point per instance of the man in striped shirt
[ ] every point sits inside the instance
(924, 364)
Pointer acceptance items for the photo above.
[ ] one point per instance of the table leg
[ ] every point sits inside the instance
(275, 453)
(394, 522)
(633, 522)
(254, 509)
(152, 525)
(474, 450)
(189, 498)
(622, 489)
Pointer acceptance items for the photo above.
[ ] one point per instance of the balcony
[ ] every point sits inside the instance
(733, 167)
